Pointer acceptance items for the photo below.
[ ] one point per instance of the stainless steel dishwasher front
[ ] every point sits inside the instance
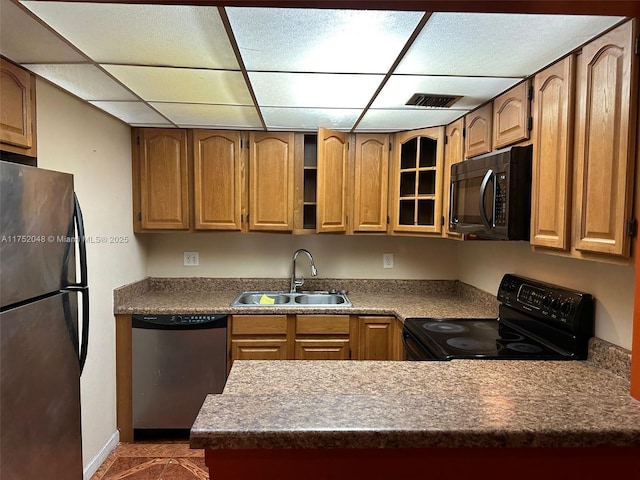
(176, 361)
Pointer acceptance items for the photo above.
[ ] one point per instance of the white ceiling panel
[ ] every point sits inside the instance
(83, 80)
(314, 90)
(397, 120)
(474, 90)
(133, 113)
(319, 40)
(309, 119)
(497, 44)
(133, 34)
(16, 26)
(218, 116)
(163, 84)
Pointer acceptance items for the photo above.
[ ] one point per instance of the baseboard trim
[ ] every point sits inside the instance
(101, 456)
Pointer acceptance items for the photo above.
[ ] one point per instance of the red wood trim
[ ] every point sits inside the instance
(471, 463)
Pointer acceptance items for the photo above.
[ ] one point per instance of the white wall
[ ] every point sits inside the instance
(482, 265)
(74, 137)
(236, 255)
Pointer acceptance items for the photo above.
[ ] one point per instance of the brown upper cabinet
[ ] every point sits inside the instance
(218, 168)
(511, 113)
(370, 183)
(332, 187)
(453, 153)
(417, 181)
(161, 179)
(553, 107)
(605, 142)
(271, 181)
(478, 131)
(18, 112)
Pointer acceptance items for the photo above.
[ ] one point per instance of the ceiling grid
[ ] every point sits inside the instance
(260, 68)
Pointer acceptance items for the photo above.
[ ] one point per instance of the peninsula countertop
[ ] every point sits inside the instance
(461, 403)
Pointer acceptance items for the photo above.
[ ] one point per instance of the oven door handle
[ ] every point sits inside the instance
(412, 350)
(489, 176)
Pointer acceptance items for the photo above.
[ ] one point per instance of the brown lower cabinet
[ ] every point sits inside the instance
(314, 337)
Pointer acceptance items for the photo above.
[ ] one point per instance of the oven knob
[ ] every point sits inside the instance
(565, 307)
(555, 304)
(547, 300)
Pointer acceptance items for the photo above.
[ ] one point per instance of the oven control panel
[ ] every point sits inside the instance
(547, 301)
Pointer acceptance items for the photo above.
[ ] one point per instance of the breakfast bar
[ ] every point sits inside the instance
(384, 419)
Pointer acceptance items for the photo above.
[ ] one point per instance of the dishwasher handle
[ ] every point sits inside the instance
(179, 321)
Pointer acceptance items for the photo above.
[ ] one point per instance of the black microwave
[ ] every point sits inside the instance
(491, 195)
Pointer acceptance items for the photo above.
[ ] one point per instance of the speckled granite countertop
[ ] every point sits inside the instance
(462, 403)
(402, 298)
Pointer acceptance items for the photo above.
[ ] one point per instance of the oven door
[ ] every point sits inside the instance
(413, 350)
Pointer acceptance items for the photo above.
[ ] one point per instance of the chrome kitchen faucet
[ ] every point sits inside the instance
(298, 283)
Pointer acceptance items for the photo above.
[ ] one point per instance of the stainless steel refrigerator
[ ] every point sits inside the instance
(43, 342)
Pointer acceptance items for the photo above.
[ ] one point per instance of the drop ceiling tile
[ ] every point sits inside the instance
(320, 40)
(218, 116)
(16, 26)
(83, 80)
(474, 90)
(309, 119)
(170, 35)
(133, 113)
(497, 44)
(164, 84)
(314, 90)
(398, 120)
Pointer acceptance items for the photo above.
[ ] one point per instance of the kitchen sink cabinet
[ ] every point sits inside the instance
(453, 153)
(271, 181)
(511, 116)
(322, 337)
(553, 107)
(417, 181)
(18, 112)
(314, 337)
(478, 131)
(258, 337)
(219, 170)
(605, 142)
(161, 183)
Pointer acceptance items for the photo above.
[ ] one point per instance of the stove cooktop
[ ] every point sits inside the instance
(464, 338)
(536, 321)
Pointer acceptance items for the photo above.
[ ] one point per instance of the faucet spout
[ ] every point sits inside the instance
(298, 283)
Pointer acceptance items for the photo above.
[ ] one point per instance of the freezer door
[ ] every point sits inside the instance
(40, 391)
(36, 224)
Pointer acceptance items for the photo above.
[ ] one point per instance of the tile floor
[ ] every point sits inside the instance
(153, 461)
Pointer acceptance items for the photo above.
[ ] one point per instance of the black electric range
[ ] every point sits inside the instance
(536, 321)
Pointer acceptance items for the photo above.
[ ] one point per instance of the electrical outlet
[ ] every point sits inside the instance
(387, 260)
(191, 259)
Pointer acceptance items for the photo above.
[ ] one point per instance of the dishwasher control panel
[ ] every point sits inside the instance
(168, 320)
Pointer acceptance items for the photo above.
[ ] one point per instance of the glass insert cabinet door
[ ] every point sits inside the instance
(418, 181)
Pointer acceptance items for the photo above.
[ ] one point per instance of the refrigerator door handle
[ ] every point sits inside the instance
(82, 287)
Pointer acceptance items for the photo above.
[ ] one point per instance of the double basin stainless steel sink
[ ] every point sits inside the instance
(290, 299)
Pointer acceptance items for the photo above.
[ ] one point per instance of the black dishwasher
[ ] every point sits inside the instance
(176, 361)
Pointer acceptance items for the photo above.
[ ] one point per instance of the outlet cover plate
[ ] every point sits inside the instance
(191, 259)
(387, 260)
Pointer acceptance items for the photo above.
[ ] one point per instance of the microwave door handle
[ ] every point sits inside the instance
(483, 191)
(451, 189)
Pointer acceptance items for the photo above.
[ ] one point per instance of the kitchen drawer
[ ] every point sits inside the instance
(259, 325)
(322, 324)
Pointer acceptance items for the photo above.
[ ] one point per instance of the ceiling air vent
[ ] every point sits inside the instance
(431, 100)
